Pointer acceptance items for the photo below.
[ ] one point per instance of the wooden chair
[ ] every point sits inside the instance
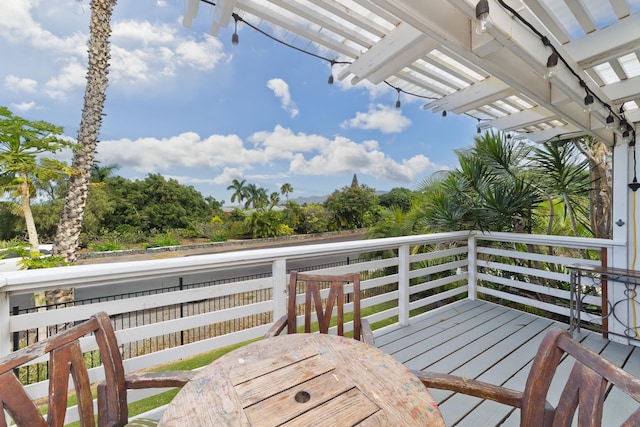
(335, 297)
(584, 389)
(65, 360)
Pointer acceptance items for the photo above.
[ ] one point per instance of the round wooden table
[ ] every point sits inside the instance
(304, 379)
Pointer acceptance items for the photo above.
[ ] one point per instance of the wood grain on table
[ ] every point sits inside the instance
(304, 379)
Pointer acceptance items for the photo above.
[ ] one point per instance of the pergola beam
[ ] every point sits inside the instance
(402, 46)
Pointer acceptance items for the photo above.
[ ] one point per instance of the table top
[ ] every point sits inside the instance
(609, 272)
(304, 379)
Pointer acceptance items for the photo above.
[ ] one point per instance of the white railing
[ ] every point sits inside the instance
(410, 275)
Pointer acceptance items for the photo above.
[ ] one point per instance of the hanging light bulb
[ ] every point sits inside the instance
(235, 39)
(478, 130)
(444, 113)
(552, 65)
(588, 103)
(330, 81)
(398, 101)
(622, 126)
(483, 19)
(626, 136)
(609, 122)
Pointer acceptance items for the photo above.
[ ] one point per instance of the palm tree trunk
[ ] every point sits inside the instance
(70, 225)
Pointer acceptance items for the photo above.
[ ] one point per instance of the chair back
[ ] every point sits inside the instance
(332, 289)
(591, 378)
(65, 360)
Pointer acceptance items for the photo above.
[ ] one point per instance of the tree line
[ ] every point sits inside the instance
(499, 185)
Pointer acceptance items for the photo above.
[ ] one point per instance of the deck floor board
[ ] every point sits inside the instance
(492, 343)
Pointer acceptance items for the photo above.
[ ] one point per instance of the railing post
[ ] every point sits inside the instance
(403, 285)
(472, 267)
(5, 336)
(279, 291)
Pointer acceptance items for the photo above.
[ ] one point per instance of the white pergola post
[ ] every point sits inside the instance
(624, 220)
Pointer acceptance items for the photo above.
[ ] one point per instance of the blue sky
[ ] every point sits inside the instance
(198, 109)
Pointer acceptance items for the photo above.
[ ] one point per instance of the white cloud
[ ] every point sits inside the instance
(282, 142)
(71, 76)
(20, 85)
(143, 53)
(132, 31)
(184, 150)
(228, 175)
(280, 89)
(24, 106)
(379, 117)
(311, 154)
(306, 155)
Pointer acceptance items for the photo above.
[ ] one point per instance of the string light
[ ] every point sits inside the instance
(483, 19)
(552, 65)
(588, 103)
(444, 113)
(331, 62)
(609, 122)
(590, 97)
(235, 39)
(330, 81)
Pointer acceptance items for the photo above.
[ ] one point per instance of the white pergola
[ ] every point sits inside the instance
(430, 48)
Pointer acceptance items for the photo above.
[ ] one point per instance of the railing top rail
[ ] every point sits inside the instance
(101, 274)
(542, 239)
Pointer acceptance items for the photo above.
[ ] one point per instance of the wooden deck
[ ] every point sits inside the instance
(496, 344)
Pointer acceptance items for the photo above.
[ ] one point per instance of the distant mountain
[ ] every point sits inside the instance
(310, 199)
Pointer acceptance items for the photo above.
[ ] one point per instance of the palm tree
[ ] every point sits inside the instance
(600, 165)
(70, 225)
(239, 191)
(274, 199)
(250, 193)
(286, 189)
(564, 173)
(101, 173)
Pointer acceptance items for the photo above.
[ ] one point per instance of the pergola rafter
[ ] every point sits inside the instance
(431, 47)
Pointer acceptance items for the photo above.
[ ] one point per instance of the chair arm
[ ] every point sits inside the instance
(277, 327)
(158, 379)
(367, 334)
(471, 387)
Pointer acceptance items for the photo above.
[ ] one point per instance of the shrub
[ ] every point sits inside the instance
(168, 239)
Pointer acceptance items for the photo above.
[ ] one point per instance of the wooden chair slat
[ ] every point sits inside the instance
(17, 403)
(335, 299)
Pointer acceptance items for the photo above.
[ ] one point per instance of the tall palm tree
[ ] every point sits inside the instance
(70, 225)
(286, 189)
(239, 191)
